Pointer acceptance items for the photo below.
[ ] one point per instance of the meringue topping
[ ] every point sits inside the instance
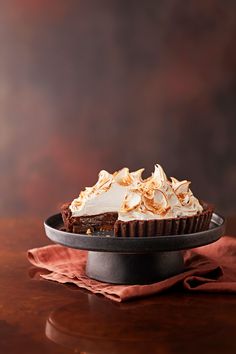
(106, 195)
(134, 198)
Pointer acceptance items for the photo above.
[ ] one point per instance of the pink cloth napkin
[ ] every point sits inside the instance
(211, 268)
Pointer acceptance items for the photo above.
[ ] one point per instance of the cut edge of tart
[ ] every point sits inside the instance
(88, 223)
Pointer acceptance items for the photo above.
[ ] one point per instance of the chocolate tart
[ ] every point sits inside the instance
(137, 228)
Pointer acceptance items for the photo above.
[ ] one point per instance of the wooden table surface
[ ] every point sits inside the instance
(39, 316)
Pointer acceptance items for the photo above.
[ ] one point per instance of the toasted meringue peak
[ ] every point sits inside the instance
(104, 181)
(159, 174)
(158, 204)
(133, 198)
(160, 199)
(180, 187)
(183, 192)
(123, 177)
(137, 175)
(174, 180)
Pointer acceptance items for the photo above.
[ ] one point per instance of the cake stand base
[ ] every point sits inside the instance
(121, 268)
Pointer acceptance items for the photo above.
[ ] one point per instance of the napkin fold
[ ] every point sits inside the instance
(210, 268)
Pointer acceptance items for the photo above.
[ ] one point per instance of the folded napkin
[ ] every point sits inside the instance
(210, 269)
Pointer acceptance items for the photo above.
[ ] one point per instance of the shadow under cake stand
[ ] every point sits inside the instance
(133, 260)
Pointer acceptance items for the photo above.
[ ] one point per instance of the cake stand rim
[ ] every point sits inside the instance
(134, 244)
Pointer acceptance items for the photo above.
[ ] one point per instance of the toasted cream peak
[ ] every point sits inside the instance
(133, 198)
(157, 204)
(122, 177)
(137, 175)
(180, 187)
(104, 181)
(159, 174)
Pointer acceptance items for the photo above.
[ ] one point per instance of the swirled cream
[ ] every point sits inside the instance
(134, 198)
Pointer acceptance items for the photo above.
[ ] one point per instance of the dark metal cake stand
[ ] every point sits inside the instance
(133, 260)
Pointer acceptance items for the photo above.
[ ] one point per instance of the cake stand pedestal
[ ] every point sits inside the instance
(133, 260)
(124, 268)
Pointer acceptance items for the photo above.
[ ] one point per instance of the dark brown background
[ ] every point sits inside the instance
(87, 85)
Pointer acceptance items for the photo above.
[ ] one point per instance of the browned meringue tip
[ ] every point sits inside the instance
(122, 177)
(164, 227)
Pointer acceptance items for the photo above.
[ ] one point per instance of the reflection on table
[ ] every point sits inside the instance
(91, 328)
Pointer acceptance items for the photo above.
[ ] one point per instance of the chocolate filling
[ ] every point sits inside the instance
(87, 224)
